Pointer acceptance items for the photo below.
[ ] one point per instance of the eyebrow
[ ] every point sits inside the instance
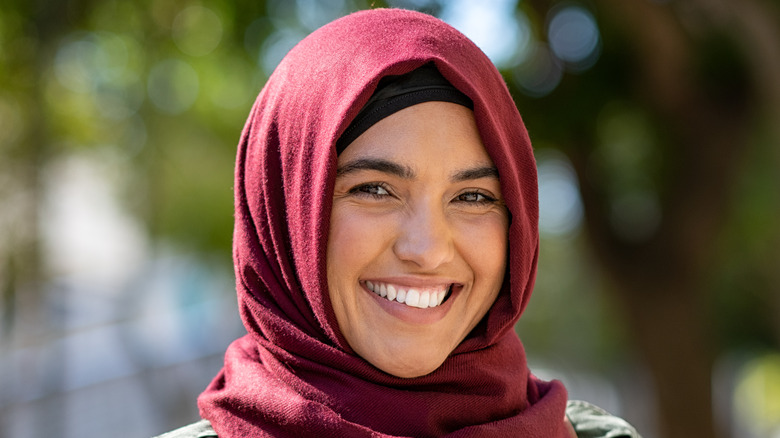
(406, 172)
(475, 173)
(377, 164)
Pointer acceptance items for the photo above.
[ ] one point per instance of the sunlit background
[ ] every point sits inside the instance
(657, 133)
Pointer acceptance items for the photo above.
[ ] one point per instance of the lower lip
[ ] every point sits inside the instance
(415, 315)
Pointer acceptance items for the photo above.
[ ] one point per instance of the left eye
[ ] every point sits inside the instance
(474, 197)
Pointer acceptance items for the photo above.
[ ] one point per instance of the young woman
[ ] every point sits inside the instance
(385, 245)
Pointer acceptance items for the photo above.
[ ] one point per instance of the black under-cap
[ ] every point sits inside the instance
(394, 93)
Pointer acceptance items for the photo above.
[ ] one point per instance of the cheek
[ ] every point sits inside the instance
(484, 246)
(338, 254)
(354, 240)
(341, 269)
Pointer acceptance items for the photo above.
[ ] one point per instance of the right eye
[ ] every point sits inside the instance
(374, 190)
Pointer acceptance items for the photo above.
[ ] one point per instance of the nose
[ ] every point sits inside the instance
(425, 238)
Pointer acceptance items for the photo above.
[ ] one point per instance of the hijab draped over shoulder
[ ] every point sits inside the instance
(294, 374)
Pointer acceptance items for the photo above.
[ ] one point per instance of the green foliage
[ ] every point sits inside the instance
(757, 396)
(166, 85)
(745, 280)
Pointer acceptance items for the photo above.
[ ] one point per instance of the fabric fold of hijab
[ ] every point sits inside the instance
(294, 374)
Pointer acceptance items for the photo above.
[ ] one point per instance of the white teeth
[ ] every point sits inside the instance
(413, 298)
(401, 297)
(391, 292)
(425, 296)
(422, 299)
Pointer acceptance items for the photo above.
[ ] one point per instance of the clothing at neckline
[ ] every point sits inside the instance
(589, 421)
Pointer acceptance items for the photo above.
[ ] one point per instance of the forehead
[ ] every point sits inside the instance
(425, 134)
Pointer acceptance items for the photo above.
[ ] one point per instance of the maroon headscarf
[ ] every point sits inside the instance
(294, 374)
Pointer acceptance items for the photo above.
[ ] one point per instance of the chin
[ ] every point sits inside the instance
(411, 368)
(406, 373)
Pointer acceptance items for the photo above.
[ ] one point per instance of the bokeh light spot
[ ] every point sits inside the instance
(574, 37)
(540, 73)
(636, 215)
(276, 46)
(196, 31)
(119, 102)
(418, 5)
(316, 13)
(560, 206)
(100, 68)
(75, 65)
(231, 82)
(173, 86)
(491, 24)
(757, 395)
(87, 61)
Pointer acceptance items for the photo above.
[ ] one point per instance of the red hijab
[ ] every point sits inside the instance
(294, 374)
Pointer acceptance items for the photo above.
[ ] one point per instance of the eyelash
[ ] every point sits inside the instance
(370, 189)
(486, 199)
(366, 190)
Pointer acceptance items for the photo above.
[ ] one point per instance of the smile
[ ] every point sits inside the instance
(422, 298)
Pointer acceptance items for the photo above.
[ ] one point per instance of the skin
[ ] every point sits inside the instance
(417, 204)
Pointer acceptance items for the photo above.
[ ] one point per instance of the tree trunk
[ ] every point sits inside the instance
(662, 281)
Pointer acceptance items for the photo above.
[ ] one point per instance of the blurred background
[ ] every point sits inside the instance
(657, 131)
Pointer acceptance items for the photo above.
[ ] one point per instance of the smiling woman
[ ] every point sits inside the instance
(385, 245)
(438, 263)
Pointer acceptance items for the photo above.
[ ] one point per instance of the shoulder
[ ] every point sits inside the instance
(201, 429)
(590, 421)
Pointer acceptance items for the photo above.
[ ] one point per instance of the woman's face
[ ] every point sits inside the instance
(418, 238)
